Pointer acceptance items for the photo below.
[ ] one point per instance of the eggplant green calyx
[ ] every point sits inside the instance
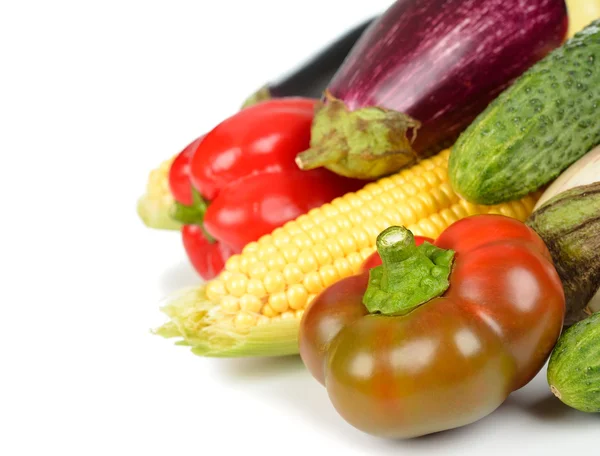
(261, 94)
(367, 143)
(409, 276)
(193, 214)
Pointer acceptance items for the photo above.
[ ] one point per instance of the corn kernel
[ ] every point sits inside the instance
(292, 228)
(258, 270)
(329, 210)
(246, 261)
(366, 252)
(268, 311)
(335, 250)
(299, 313)
(215, 289)
(329, 275)
(353, 200)
(297, 296)
(274, 281)
(256, 288)
(276, 262)
(410, 189)
(250, 247)
(361, 238)
(281, 238)
(355, 261)
(233, 263)
(343, 223)
(307, 261)
(317, 215)
(322, 255)
(288, 315)
(317, 235)
(229, 304)
(237, 285)
(302, 241)
(305, 222)
(381, 223)
(355, 218)
(250, 303)
(244, 320)
(265, 240)
(266, 251)
(341, 205)
(312, 282)
(290, 253)
(278, 302)
(371, 230)
(376, 206)
(346, 242)
(292, 274)
(366, 213)
(330, 228)
(225, 276)
(343, 267)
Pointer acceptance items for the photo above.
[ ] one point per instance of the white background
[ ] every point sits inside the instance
(92, 96)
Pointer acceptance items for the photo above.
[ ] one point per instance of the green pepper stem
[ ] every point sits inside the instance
(409, 275)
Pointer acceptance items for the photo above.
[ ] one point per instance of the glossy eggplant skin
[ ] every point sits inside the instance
(313, 76)
(442, 61)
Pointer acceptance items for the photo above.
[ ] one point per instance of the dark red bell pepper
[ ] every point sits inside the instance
(440, 334)
(245, 182)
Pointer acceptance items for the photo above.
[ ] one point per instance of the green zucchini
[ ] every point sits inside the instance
(546, 120)
(569, 224)
(574, 366)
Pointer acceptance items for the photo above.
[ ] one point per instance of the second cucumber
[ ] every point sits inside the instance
(536, 128)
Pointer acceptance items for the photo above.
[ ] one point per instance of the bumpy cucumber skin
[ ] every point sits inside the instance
(574, 366)
(535, 129)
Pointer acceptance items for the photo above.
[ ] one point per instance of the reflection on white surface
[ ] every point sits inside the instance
(413, 356)
(467, 342)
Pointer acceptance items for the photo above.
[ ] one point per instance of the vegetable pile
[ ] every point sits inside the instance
(426, 234)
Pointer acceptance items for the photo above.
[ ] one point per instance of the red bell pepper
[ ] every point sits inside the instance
(440, 334)
(179, 174)
(245, 182)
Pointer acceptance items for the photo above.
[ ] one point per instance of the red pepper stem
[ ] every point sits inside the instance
(409, 275)
(193, 214)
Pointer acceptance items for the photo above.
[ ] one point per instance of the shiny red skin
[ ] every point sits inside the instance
(179, 174)
(257, 204)
(443, 61)
(208, 259)
(452, 360)
(263, 138)
(245, 169)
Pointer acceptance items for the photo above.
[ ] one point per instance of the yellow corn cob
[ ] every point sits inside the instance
(154, 206)
(254, 306)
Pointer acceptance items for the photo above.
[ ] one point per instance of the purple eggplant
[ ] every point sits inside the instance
(312, 77)
(420, 74)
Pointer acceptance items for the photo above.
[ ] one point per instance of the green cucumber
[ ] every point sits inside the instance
(574, 366)
(546, 120)
(569, 224)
